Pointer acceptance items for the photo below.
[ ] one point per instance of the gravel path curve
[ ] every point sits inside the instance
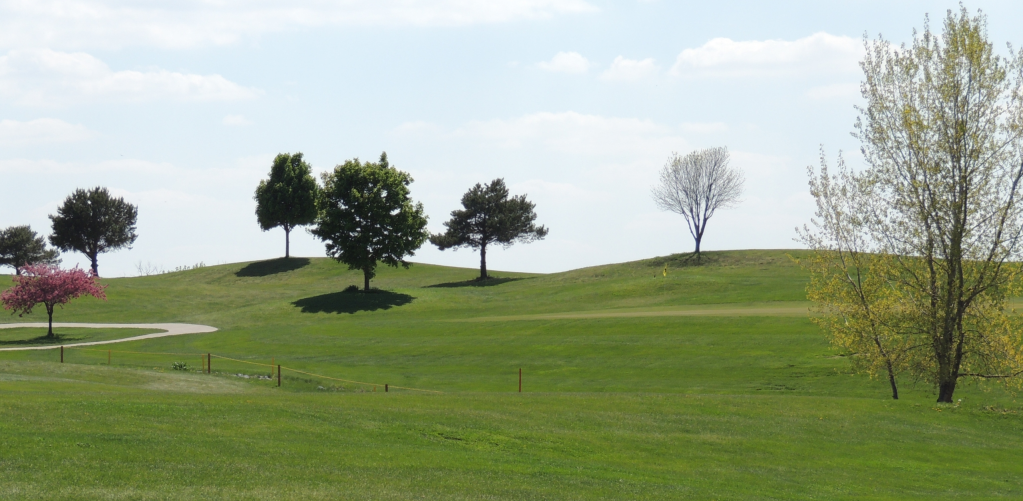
(169, 330)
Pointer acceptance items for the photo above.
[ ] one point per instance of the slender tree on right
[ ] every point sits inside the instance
(93, 222)
(696, 186)
(917, 254)
(490, 216)
(20, 246)
(288, 198)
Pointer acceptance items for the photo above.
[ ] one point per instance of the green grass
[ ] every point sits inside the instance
(705, 383)
(34, 336)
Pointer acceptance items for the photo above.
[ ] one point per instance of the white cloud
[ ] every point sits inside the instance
(236, 120)
(704, 128)
(566, 62)
(42, 131)
(630, 70)
(80, 24)
(817, 53)
(43, 77)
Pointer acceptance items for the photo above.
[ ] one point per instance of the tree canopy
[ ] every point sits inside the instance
(287, 198)
(696, 186)
(93, 222)
(490, 216)
(51, 286)
(20, 246)
(366, 216)
(917, 254)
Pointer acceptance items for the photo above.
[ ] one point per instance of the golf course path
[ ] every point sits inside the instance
(169, 330)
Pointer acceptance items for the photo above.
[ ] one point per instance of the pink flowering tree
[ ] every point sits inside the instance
(51, 286)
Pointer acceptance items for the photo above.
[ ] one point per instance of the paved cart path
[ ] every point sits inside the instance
(169, 330)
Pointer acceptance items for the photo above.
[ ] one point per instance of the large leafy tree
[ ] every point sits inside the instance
(367, 217)
(20, 246)
(51, 286)
(288, 198)
(490, 216)
(917, 254)
(93, 222)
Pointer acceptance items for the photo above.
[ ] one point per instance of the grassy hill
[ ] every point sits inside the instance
(706, 382)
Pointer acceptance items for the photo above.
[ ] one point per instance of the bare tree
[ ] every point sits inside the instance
(696, 186)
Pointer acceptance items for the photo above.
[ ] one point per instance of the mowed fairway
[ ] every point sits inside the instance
(709, 382)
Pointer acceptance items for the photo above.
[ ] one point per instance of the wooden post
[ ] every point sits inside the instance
(520, 380)
(61, 354)
(278, 376)
(385, 387)
(209, 364)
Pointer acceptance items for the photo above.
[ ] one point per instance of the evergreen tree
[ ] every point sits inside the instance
(490, 217)
(93, 222)
(20, 246)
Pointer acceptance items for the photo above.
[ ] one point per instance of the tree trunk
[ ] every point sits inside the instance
(365, 275)
(945, 391)
(891, 380)
(95, 264)
(697, 251)
(483, 262)
(287, 242)
(49, 312)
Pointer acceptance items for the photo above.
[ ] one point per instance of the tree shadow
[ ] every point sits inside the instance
(42, 340)
(272, 266)
(352, 302)
(490, 282)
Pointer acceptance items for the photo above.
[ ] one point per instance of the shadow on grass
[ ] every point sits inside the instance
(352, 302)
(490, 282)
(272, 267)
(42, 340)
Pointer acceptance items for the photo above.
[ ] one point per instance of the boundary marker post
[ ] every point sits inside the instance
(209, 364)
(278, 376)
(61, 354)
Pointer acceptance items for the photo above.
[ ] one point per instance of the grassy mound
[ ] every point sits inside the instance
(701, 381)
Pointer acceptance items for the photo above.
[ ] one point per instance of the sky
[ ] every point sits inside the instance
(180, 107)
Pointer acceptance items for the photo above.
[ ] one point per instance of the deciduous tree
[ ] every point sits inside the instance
(937, 207)
(490, 216)
(51, 286)
(367, 217)
(288, 198)
(93, 222)
(20, 246)
(696, 186)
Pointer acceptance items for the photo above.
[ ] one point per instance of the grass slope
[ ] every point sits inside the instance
(703, 383)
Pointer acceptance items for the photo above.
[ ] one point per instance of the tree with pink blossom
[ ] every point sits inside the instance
(50, 285)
